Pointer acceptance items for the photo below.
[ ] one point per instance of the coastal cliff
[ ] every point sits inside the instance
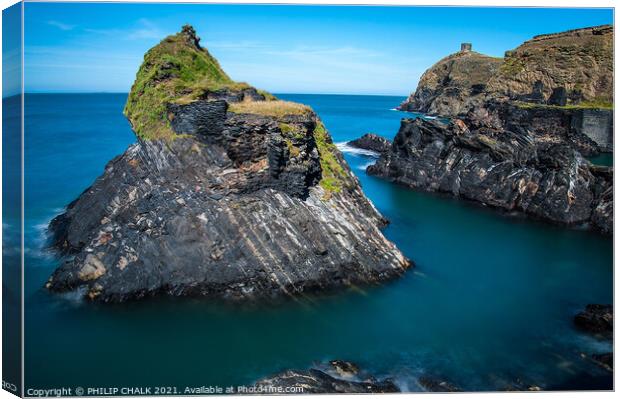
(518, 130)
(506, 169)
(228, 192)
(566, 75)
(568, 68)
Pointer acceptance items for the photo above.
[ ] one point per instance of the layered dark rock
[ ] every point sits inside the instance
(519, 129)
(508, 169)
(234, 196)
(452, 85)
(335, 377)
(562, 83)
(371, 142)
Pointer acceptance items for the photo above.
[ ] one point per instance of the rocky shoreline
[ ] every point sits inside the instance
(514, 139)
(337, 376)
(233, 194)
(509, 170)
(598, 320)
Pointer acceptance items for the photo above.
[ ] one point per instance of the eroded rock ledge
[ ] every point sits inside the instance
(228, 192)
(509, 169)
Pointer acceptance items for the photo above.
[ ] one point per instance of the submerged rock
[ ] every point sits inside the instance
(372, 142)
(605, 360)
(314, 380)
(506, 169)
(596, 319)
(228, 192)
(433, 384)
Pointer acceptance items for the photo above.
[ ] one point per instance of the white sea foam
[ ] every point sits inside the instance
(366, 165)
(345, 147)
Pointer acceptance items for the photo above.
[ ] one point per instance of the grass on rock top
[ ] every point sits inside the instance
(177, 69)
(594, 104)
(276, 108)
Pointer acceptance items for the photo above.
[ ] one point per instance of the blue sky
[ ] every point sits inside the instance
(283, 49)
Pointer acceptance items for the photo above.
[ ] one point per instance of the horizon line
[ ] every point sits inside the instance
(276, 93)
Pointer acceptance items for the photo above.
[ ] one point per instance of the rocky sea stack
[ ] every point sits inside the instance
(517, 130)
(228, 192)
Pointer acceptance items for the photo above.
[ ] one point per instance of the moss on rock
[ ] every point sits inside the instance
(334, 177)
(175, 70)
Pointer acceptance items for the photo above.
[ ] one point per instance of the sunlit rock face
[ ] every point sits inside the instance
(228, 193)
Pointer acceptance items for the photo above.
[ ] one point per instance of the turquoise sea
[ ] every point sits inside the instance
(489, 303)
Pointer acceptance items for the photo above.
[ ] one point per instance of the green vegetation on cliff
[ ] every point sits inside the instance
(176, 70)
(333, 175)
(594, 104)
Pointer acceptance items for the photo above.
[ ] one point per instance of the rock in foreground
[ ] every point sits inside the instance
(317, 381)
(604, 360)
(228, 193)
(596, 319)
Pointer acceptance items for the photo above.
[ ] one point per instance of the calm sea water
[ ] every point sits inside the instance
(490, 302)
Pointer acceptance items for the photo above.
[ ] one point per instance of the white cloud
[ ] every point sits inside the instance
(60, 25)
(144, 29)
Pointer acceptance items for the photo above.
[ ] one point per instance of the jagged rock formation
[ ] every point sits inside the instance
(371, 142)
(519, 129)
(506, 169)
(449, 87)
(568, 75)
(228, 192)
(570, 67)
(573, 67)
(336, 377)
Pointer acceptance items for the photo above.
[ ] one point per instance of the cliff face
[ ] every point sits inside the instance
(507, 169)
(449, 86)
(568, 68)
(519, 131)
(573, 67)
(228, 192)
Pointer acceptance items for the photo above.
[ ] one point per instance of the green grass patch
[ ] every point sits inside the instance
(292, 149)
(276, 108)
(512, 66)
(176, 69)
(333, 176)
(594, 104)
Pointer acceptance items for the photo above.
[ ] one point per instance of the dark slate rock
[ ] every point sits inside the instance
(227, 210)
(372, 142)
(507, 168)
(596, 319)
